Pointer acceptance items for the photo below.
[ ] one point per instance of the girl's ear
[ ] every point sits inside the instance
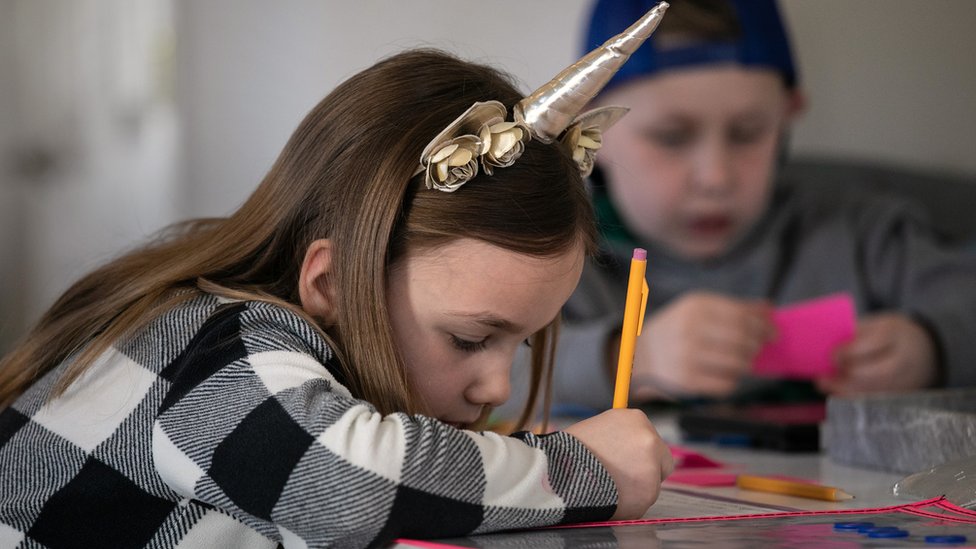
(315, 286)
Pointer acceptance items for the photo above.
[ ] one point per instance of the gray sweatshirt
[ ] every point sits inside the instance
(879, 248)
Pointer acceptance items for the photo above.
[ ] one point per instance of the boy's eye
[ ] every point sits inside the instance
(468, 346)
(669, 138)
(745, 135)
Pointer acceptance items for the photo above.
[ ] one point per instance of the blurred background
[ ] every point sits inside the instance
(118, 117)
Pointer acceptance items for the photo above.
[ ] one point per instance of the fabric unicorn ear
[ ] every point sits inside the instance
(553, 107)
(584, 136)
(482, 136)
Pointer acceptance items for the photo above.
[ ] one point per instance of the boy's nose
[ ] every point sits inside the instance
(712, 168)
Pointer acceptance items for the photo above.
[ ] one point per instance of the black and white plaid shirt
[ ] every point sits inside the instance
(226, 424)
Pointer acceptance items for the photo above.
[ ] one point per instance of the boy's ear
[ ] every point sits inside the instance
(315, 286)
(796, 104)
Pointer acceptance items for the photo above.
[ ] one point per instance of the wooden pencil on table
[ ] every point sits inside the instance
(791, 488)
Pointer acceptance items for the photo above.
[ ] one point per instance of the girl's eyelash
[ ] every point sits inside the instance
(468, 346)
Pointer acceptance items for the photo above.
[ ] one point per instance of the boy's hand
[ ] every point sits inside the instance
(702, 344)
(890, 352)
(636, 457)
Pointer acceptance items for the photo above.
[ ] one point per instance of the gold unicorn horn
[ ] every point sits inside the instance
(551, 109)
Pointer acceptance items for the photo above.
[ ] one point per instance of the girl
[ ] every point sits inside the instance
(306, 371)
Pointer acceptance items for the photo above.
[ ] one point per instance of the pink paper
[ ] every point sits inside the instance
(423, 544)
(702, 478)
(807, 335)
(690, 459)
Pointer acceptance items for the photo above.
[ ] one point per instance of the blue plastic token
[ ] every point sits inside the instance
(881, 529)
(945, 539)
(852, 525)
(887, 533)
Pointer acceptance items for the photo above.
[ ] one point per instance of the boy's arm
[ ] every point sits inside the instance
(909, 268)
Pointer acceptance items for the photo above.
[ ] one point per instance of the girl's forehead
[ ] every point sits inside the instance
(472, 278)
(472, 253)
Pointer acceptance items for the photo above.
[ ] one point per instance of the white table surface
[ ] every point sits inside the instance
(870, 488)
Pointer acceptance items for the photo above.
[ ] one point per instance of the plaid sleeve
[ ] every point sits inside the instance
(258, 425)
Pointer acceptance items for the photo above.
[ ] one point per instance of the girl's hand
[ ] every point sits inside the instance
(701, 344)
(627, 444)
(890, 352)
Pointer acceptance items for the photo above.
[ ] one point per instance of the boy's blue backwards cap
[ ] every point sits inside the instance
(763, 41)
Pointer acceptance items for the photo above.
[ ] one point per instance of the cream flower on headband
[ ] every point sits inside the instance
(479, 136)
(504, 143)
(454, 163)
(584, 137)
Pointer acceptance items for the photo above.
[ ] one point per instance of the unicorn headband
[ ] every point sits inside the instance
(483, 136)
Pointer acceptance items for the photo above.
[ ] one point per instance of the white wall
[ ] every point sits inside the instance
(11, 222)
(888, 80)
(87, 148)
(893, 80)
(249, 70)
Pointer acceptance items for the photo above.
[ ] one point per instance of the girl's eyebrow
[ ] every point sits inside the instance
(489, 319)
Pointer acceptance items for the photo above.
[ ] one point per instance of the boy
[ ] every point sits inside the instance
(690, 175)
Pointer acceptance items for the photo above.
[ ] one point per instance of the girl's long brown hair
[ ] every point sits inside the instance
(346, 174)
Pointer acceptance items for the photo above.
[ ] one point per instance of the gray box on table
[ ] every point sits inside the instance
(902, 433)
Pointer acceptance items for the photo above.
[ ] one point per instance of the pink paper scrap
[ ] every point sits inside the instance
(423, 544)
(702, 478)
(808, 333)
(689, 459)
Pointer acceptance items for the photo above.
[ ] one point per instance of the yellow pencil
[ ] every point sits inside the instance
(791, 488)
(634, 309)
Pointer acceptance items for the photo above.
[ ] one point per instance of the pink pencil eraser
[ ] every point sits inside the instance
(640, 254)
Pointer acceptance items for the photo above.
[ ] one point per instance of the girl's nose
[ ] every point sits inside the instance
(491, 387)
